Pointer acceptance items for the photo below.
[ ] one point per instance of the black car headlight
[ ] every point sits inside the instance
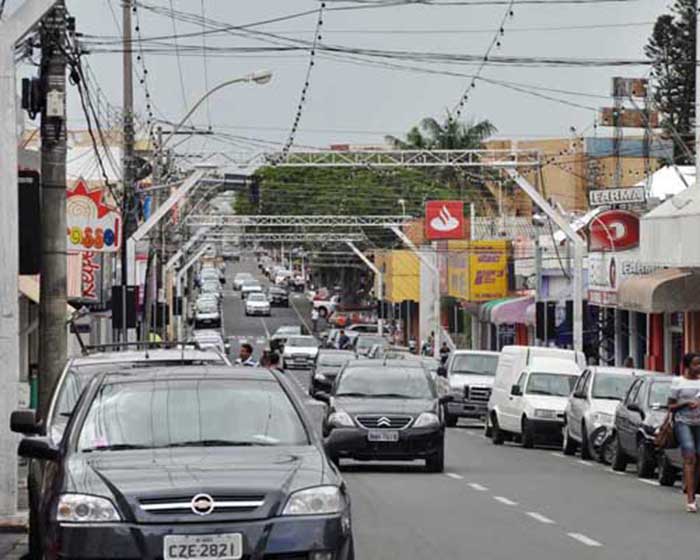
(81, 508)
(427, 420)
(319, 500)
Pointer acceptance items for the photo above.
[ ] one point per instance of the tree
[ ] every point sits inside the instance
(671, 49)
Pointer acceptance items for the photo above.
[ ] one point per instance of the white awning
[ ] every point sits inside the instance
(665, 291)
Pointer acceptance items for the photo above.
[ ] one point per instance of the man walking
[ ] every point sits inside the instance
(314, 319)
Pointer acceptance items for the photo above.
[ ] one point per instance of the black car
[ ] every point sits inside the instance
(385, 410)
(278, 296)
(637, 418)
(326, 369)
(189, 463)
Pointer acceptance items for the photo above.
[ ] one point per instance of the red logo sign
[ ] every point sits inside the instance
(444, 219)
(614, 230)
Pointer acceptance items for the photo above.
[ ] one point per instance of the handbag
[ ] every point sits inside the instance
(665, 437)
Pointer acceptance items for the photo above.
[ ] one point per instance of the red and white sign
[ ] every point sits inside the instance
(444, 219)
(90, 276)
(91, 225)
(614, 230)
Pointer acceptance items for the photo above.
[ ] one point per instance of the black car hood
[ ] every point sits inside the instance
(354, 406)
(129, 476)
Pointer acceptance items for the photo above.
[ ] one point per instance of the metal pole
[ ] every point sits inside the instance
(53, 333)
(380, 282)
(128, 210)
(697, 93)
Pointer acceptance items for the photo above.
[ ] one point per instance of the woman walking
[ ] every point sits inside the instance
(684, 403)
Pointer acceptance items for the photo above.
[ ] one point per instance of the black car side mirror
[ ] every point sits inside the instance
(446, 398)
(24, 422)
(516, 391)
(634, 407)
(38, 448)
(442, 371)
(322, 396)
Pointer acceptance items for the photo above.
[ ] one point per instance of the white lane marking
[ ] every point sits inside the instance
(584, 539)
(582, 462)
(264, 324)
(478, 487)
(505, 501)
(454, 475)
(620, 473)
(649, 482)
(539, 517)
(557, 454)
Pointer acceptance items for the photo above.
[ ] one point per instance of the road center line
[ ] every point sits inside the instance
(505, 501)
(582, 462)
(584, 539)
(264, 324)
(478, 487)
(649, 482)
(539, 517)
(454, 475)
(301, 318)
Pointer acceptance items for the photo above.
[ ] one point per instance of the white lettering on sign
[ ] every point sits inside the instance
(604, 197)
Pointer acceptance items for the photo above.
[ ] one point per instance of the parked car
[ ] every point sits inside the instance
(530, 392)
(263, 484)
(388, 411)
(326, 307)
(256, 304)
(636, 420)
(372, 328)
(470, 374)
(241, 278)
(326, 369)
(207, 315)
(590, 411)
(363, 343)
(250, 287)
(278, 296)
(300, 352)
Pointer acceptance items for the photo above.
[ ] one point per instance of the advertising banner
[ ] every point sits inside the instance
(92, 225)
(488, 270)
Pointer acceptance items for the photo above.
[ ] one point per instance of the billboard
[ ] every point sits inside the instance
(444, 219)
(477, 270)
(92, 225)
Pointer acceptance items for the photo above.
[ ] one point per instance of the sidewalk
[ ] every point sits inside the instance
(13, 545)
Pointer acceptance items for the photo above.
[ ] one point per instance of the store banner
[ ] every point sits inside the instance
(92, 225)
(488, 270)
(458, 269)
(444, 219)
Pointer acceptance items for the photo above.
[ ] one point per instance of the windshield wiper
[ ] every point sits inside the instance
(117, 447)
(546, 393)
(394, 396)
(351, 394)
(217, 443)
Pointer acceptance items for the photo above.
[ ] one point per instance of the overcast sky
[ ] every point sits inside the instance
(350, 102)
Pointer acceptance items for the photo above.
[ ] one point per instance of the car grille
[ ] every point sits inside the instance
(384, 422)
(182, 505)
(478, 394)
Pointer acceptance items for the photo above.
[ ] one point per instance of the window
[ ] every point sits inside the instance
(587, 383)
(521, 380)
(410, 383)
(550, 384)
(578, 388)
(634, 390)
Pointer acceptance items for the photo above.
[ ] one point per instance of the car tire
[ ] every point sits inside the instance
(34, 537)
(667, 472)
(487, 428)
(528, 434)
(568, 446)
(451, 420)
(585, 444)
(497, 436)
(619, 457)
(436, 462)
(646, 465)
(606, 453)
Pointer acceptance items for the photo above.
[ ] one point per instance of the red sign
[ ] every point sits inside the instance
(444, 219)
(614, 230)
(90, 267)
(92, 225)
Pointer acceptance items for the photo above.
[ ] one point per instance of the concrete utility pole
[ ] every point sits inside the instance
(697, 92)
(12, 31)
(128, 175)
(379, 283)
(53, 333)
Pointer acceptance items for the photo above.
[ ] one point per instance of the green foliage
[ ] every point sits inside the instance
(671, 49)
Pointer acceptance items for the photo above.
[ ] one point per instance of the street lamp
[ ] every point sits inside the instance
(402, 202)
(260, 77)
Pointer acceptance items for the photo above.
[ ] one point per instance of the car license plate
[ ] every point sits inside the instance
(377, 435)
(199, 547)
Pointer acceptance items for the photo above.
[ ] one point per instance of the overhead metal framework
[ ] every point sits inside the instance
(232, 220)
(407, 158)
(294, 237)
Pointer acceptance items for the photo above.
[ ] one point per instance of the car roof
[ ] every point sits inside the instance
(379, 363)
(621, 370)
(241, 373)
(475, 353)
(554, 366)
(144, 356)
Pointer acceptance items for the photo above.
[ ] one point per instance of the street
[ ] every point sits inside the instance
(494, 502)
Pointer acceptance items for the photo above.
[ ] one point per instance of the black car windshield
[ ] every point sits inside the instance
(550, 384)
(658, 394)
(390, 382)
(181, 412)
(474, 364)
(613, 386)
(334, 359)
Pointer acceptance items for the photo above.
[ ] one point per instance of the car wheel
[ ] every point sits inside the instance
(496, 433)
(568, 446)
(528, 437)
(451, 420)
(606, 453)
(667, 472)
(585, 443)
(487, 427)
(436, 462)
(646, 465)
(619, 458)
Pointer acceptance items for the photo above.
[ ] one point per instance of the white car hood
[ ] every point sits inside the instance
(607, 406)
(461, 380)
(544, 401)
(257, 304)
(308, 350)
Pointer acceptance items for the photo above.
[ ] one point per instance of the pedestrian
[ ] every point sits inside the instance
(444, 353)
(343, 340)
(684, 404)
(629, 362)
(245, 356)
(274, 362)
(442, 384)
(314, 319)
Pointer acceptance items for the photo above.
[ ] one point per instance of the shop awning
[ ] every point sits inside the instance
(665, 291)
(485, 309)
(29, 287)
(512, 311)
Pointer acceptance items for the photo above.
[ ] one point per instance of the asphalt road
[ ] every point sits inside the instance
(499, 503)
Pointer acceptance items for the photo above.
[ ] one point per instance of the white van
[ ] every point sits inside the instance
(530, 392)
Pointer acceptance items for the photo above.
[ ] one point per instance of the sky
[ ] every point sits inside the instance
(351, 102)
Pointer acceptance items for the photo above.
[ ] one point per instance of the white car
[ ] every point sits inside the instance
(240, 279)
(592, 404)
(257, 304)
(207, 338)
(250, 288)
(207, 315)
(300, 352)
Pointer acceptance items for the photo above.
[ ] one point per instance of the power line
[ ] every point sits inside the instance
(179, 60)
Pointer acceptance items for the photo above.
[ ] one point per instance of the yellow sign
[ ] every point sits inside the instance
(488, 270)
(458, 269)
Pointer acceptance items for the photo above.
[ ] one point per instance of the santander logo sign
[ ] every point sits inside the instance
(444, 219)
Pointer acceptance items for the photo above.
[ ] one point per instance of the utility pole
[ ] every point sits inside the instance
(128, 206)
(697, 92)
(53, 333)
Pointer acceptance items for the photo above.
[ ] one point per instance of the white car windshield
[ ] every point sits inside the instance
(550, 384)
(474, 364)
(611, 386)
